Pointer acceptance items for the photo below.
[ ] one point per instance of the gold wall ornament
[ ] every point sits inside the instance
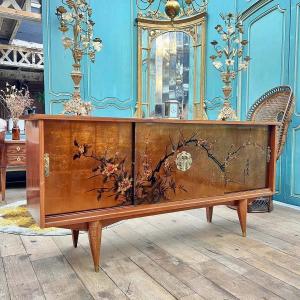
(228, 60)
(77, 16)
(184, 161)
(148, 31)
(170, 9)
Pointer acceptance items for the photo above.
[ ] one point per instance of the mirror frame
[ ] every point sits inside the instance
(156, 28)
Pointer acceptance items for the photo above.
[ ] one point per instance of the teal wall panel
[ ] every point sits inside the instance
(272, 27)
(213, 81)
(291, 176)
(57, 84)
(110, 82)
(267, 30)
(261, 36)
(110, 79)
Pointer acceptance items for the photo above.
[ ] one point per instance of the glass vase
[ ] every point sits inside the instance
(15, 132)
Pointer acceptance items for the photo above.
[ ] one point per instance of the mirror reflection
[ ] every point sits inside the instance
(170, 74)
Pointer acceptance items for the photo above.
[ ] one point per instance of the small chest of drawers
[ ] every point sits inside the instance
(13, 158)
(16, 154)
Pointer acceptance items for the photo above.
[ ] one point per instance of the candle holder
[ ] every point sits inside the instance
(229, 60)
(77, 16)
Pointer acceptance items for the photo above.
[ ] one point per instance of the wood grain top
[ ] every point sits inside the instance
(136, 120)
(15, 142)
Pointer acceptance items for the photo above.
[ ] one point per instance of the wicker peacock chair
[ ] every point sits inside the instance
(275, 105)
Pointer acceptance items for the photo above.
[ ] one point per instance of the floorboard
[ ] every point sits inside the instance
(171, 256)
(4, 292)
(21, 278)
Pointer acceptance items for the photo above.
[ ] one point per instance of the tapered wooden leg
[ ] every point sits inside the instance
(209, 213)
(95, 232)
(242, 213)
(75, 235)
(3, 183)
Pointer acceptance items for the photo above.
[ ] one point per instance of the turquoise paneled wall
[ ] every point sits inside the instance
(267, 29)
(213, 82)
(290, 179)
(271, 26)
(110, 83)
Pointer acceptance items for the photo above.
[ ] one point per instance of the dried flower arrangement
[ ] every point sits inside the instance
(230, 49)
(155, 182)
(16, 101)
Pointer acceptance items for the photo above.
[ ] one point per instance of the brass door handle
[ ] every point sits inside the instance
(46, 164)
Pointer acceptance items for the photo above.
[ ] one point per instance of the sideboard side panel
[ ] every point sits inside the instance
(34, 177)
(273, 144)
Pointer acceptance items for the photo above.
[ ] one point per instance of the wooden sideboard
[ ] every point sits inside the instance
(91, 172)
(12, 158)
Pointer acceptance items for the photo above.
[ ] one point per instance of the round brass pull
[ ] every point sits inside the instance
(18, 148)
(18, 158)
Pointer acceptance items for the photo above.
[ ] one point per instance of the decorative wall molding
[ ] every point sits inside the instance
(114, 102)
(105, 103)
(246, 97)
(296, 63)
(293, 166)
(254, 8)
(117, 103)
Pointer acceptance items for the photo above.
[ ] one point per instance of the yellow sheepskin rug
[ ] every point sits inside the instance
(15, 219)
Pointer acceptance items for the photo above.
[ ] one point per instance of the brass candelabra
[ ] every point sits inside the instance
(229, 60)
(77, 26)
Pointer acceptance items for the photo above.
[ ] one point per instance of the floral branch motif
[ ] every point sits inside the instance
(115, 178)
(154, 184)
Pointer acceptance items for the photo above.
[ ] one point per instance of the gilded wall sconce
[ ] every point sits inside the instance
(229, 60)
(75, 16)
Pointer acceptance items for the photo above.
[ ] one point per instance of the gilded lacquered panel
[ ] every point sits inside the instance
(188, 161)
(90, 162)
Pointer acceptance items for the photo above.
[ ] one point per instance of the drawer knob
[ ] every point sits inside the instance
(18, 158)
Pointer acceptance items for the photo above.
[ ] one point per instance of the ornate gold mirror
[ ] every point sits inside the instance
(171, 67)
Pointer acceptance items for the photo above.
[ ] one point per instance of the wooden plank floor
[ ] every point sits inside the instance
(172, 256)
